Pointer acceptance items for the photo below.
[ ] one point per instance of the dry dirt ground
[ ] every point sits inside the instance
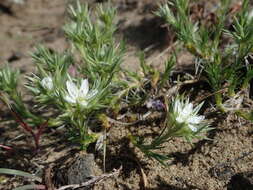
(223, 162)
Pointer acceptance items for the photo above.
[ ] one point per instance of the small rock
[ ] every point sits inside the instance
(81, 170)
(77, 170)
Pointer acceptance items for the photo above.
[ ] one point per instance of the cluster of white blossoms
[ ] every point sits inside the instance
(184, 113)
(74, 94)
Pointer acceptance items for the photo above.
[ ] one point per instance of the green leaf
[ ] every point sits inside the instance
(25, 187)
(169, 64)
(20, 173)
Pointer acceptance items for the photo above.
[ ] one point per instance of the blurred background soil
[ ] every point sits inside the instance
(216, 164)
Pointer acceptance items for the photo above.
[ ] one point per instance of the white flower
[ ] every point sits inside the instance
(185, 113)
(47, 83)
(80, 95)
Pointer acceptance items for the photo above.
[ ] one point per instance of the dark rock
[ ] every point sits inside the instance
(80, 169)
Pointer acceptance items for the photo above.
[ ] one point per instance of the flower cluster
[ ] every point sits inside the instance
(184, 120)
(81, 95)
(185, 114)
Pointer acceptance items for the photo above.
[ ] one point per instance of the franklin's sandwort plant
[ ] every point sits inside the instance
(8, 90)
(80, 98)
(221, 53)
(182, 121)
(85, 85)
(73, 92)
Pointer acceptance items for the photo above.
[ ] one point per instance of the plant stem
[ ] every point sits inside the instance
(218, 100)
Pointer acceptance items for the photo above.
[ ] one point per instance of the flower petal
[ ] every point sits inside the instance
(72, 89)
(196, 119)
(70, 99)
(84, 89)
(188, 109)
(177, 106)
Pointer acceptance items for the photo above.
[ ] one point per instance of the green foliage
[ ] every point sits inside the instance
(222, 66)
(95, 42)
(8, 80)
(10, 95)
(19, 173)
(169, 64)
(78, 87)
(23, 174)
(182, 121)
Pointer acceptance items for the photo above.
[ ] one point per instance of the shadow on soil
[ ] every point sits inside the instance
(163, 185)
(125, 157)
(241, 181)
(183, 158)
(150, 32)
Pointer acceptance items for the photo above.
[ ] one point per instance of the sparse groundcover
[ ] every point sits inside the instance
(84, 118)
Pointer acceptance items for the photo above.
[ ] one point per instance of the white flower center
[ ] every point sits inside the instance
(80, 95)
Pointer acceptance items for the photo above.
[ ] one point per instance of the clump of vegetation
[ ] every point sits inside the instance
(181, 121)
(222, 55)
(79, 88)
(85, 88)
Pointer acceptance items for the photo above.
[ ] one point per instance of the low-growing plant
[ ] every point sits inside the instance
(181, 121)
(87, 83)
(222, 53)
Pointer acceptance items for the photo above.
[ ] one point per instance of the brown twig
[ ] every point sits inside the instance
(94, 180)
(144, 176)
